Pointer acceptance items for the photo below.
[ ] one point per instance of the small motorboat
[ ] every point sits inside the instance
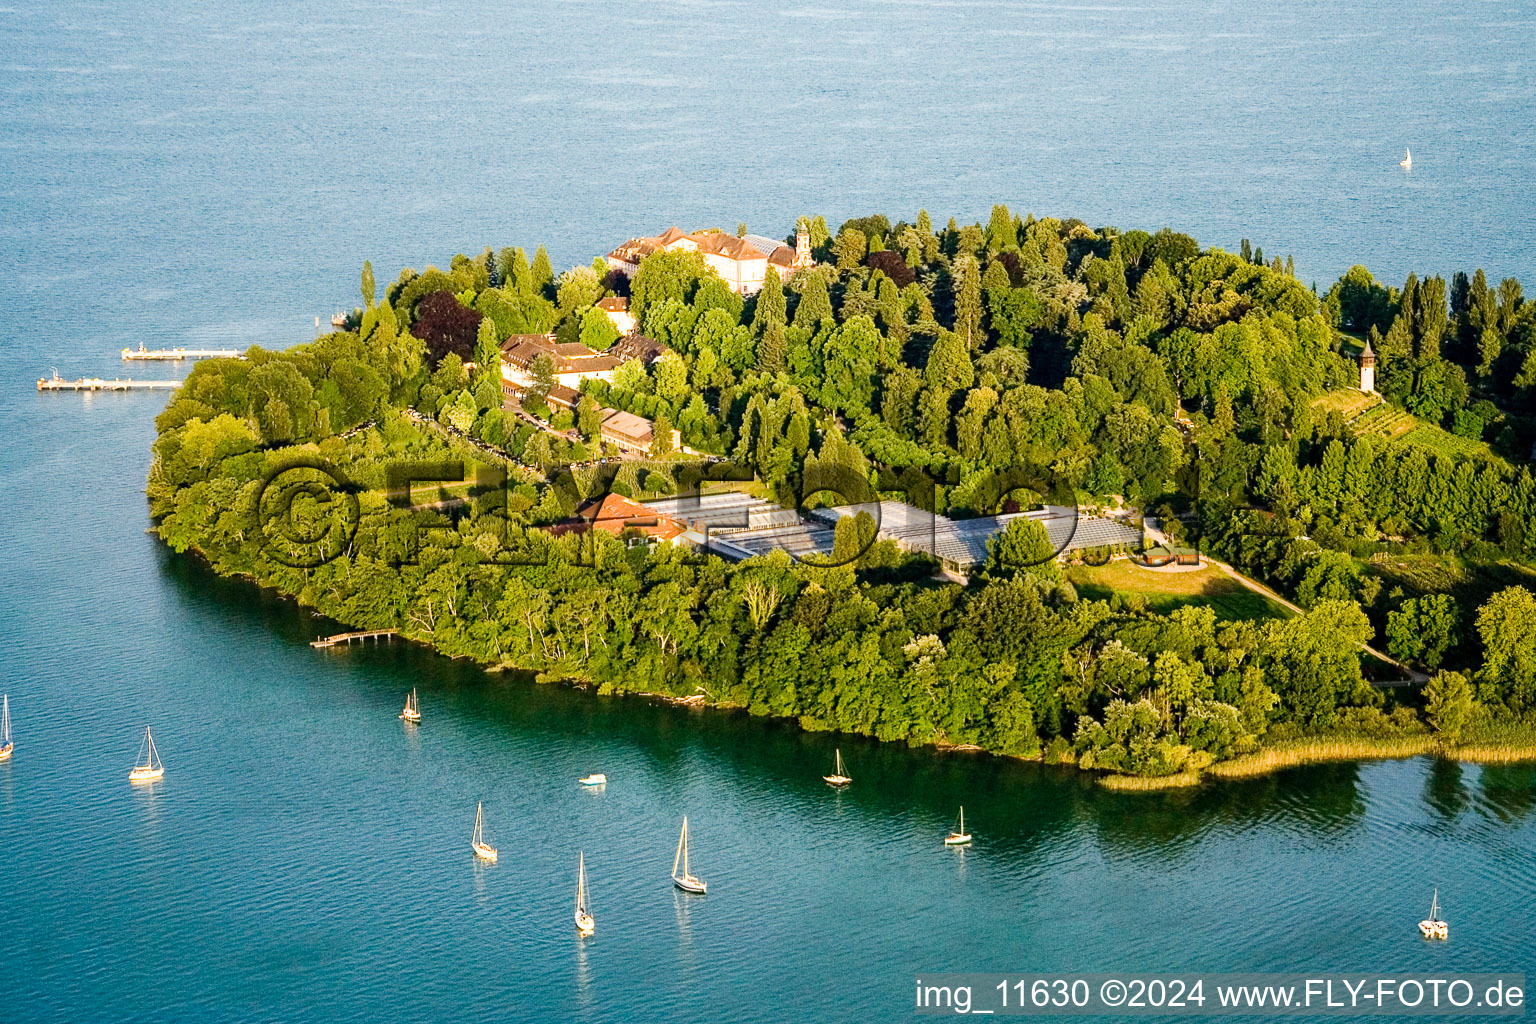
(596, 779)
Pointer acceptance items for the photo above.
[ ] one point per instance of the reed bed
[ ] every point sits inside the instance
(1150, 783)
(1321, 750)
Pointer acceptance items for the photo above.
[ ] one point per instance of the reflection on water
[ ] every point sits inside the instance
(1445, 790)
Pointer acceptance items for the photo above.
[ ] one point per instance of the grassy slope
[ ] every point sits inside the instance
(1164, 592)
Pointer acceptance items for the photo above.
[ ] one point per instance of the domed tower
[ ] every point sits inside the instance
(803, 246)
(1367, 369)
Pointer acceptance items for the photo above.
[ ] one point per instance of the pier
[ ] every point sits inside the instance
(178, 354)
(57, 383)
(347, 638)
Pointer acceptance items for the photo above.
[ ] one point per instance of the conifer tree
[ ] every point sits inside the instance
(967, 283)
(815, 306)
(542, 273)
(771, 348)
(369, 290)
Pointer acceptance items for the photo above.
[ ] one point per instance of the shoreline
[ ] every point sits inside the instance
(1324, 750)
(1265, 761)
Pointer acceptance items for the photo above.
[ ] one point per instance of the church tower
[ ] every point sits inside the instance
(1368, 369)
(803, 246)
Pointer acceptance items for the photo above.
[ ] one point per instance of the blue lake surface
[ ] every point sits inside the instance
(214, 173)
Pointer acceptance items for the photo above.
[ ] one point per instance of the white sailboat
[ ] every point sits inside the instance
(839, 776)
(586, 924)
(1407, 160)
(151, 768)
(959, 837)
(477, 842)
(412, 712)
(685, 881)
(1434, 928)
(6, 746)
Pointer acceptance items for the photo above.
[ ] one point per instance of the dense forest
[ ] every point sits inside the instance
(953, 368)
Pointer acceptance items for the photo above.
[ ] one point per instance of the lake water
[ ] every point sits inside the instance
(214, 174)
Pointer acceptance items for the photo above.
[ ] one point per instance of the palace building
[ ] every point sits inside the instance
(742, 262)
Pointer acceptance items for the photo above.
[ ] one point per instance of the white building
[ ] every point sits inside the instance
(741, 262)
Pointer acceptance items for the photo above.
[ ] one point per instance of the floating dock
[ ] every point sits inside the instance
(178, 354)
(57, 383)
(347, 638)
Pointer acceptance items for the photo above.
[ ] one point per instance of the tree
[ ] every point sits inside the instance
(815, 307)
(850, 248)
(487, 352)
(967, 285)
(540, 274)
(542, 370)
(771, 348)
(671, 375)
(670, 274)
(446, 326)
(770, 304)
(578, 287)
(597, 331)
(369, 290)
(661, 436)
(1449, 706)
(589, 418)
(1506, 623)
(1423, 629)
(1023, 546)
(949, 366)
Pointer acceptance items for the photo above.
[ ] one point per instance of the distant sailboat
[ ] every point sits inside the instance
(482, 849)
(1407, 160)
(585, 923)
(412, 712)
(685, 881)
(6, 746)
(959, 837)
(1434, 928)
(151, 769)
(838, 777)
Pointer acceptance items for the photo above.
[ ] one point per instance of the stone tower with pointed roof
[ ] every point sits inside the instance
(1368, 369)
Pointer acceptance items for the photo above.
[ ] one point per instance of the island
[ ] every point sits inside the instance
(1098, 497)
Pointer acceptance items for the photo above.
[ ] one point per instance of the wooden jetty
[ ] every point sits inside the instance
(178, 354)
(347, 638)
(57, 383)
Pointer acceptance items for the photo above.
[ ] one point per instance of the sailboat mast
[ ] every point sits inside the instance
(5, 720)
(685, 847)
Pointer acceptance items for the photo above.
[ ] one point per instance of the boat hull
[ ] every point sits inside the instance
(585, 925)
(410, 716)
(1434, 930)
(484, 852)
(145, 774)
(689, 884)
(836, 780)
(5, 751)
(958, 839)
(595, 780)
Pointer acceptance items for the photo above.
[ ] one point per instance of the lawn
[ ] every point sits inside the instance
(1163, 592)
